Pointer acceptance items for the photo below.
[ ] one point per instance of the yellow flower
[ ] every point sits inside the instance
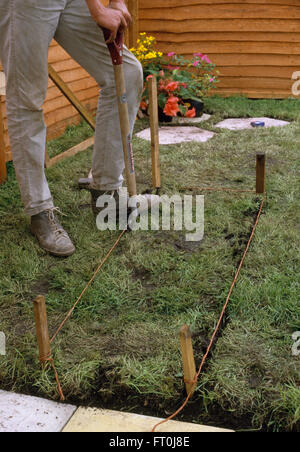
(150, 55)
(145, 49)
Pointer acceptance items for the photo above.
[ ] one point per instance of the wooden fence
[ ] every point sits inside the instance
(254, 43)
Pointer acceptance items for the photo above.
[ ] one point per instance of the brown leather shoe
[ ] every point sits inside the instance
(50, 234)
(95, 194)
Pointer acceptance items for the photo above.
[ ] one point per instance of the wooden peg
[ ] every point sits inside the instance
(153, 110)
(260, 173)
(42, 332)
(188, 359)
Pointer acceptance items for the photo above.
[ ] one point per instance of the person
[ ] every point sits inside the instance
(26, 29)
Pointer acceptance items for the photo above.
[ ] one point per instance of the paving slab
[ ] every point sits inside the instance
(245, 123)
(175, 135)
(20, 413)
(95, 420)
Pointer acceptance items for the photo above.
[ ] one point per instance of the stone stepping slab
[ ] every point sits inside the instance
(175, 135)
(245, 123)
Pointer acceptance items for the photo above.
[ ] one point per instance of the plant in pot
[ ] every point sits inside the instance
(182, 82)
(173, 100)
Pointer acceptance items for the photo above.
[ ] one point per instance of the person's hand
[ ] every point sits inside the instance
(120, 5)
(110, 18)
(113, 20)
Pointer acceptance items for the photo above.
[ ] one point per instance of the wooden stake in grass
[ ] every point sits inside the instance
(188, 360)
(42, 331)
(153, 106)
(260, 173)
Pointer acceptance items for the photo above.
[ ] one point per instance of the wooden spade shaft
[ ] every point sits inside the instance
(116, 52)
(125, 129)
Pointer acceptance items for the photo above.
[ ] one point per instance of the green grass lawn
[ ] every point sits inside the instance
(120, 349)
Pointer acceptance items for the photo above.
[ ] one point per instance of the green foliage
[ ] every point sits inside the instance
(177, 77)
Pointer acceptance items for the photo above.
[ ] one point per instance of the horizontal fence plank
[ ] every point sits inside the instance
(284, 72)
(257, 48)
(258, 83)
(145, 4)
(219, 25)
(235, 36)
(237, 59)
(231, 10)
(53, 93)
(256, 94)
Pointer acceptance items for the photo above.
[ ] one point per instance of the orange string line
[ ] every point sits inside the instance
(219, 321)
(88, 285)
(60, 391)
(49, 359)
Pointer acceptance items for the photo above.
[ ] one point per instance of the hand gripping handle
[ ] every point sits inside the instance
(115, 48)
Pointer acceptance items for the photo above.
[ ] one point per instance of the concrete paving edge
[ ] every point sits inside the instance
(22, 413)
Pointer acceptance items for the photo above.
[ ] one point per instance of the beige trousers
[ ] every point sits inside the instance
(26, 30)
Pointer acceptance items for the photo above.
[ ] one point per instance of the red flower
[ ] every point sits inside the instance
(172, 86)
(190, 113)
(148, 78)
(171, 107)
(173, 100)
(171, 110)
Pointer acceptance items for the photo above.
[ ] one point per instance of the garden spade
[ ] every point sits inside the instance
(138, 203)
